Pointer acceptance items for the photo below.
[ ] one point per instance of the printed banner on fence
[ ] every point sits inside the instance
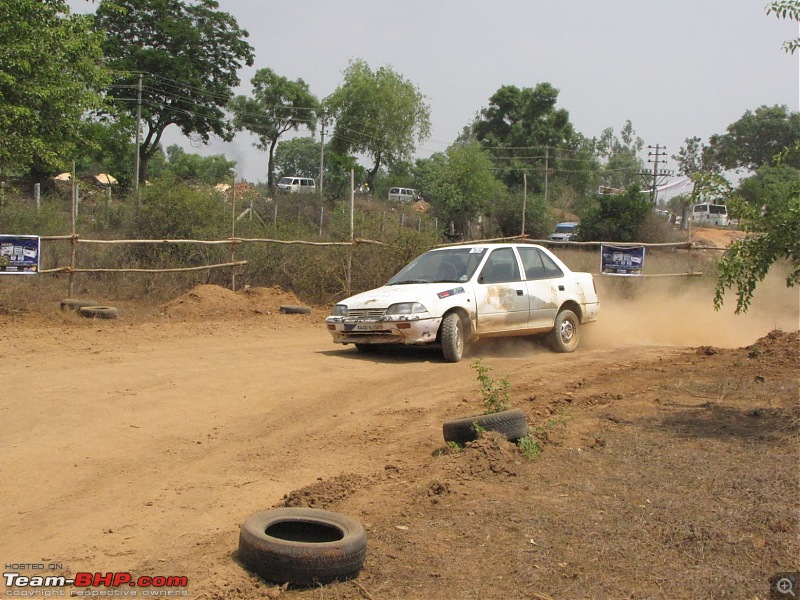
(621, 261)
(19, 254)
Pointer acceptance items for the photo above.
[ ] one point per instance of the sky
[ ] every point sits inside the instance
(675, 69)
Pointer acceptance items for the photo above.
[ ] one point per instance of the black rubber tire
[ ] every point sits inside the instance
(295, 310)
(302, 546)
(77, 303)
(566, 334)
(513, 424)
(99, 312)
(452, 338)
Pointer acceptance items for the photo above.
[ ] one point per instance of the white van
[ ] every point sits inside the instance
(710, 214)
(401, 194)
(297, 185)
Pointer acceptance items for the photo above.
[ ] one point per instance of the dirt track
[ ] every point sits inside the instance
(143, 445)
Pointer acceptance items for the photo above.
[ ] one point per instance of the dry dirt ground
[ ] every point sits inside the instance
(669, 466)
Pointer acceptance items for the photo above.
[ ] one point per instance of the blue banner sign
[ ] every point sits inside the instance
(19, 254)
(621, 261)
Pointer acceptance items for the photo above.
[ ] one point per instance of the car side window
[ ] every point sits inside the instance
(532, 263)
(538, 265)
(551, 269)
(500, 267)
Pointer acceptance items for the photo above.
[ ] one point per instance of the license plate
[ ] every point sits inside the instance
(375, 327)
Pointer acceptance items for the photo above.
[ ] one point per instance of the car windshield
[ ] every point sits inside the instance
(565, 228)
(285, 180)
(455, 265)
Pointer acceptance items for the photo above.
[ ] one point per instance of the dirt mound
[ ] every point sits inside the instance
(490, 453)
(323, 494)
(717, 238)
(778, 347)
(213, 301)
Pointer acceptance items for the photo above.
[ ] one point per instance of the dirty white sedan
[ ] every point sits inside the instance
(455, 295)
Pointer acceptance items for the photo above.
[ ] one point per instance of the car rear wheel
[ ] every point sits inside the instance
(566, 334)
(452, 338)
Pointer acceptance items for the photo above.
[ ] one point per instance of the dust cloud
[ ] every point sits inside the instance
(671, 312)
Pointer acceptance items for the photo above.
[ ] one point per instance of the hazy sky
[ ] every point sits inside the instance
(675, 69)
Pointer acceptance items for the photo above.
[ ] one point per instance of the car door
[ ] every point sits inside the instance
(545, 286)
(500, 294)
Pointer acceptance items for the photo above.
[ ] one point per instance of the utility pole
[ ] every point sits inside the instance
(138, 134)
(321, 153)
(658, 153)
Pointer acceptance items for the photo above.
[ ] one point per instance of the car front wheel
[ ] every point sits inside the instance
(452, 338)
(566, 334)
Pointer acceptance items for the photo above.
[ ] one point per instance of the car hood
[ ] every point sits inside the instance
(387, 295)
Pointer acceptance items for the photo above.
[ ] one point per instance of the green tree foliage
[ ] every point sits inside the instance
(189, 55)
(459, 183)
(523, 129)
(111, 150)
(769, 210)
(616, 217)
(51, 74)
(193, 168)
(756, 138)
(298, 156)
(278, 105)
(787, 9)
(379, 114)
(621, 166)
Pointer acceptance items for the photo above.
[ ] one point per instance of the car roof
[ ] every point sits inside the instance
(487, 245)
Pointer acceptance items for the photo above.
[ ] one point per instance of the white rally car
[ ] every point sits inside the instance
(454, 295)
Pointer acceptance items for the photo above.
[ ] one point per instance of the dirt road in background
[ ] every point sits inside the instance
(142, 445)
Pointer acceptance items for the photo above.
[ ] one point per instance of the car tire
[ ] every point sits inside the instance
(302, 546)
(513, 424)
(99, 312)
(566, 334)
(295, 310)
(77, 303)
(452, 337)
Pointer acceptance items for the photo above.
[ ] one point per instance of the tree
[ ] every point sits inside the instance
(193, 168)
(693, 158)
(379, 114)
(621, 167)
(188, 56)
(298, 156)
(278, 105)
(459, 183)
(523, 129)
(51, 75)
(787, 9)
(769, 209)
(772, 218)
(756, 138)
(616, 217)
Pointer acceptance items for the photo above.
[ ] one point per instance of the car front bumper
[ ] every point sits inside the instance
(399, 329)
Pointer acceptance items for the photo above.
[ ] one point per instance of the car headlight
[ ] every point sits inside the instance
(340, 310)
(406, 308)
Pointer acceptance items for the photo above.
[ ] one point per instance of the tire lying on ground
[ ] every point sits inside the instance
(302, 546)
(76, 303)
(290, 309)
(513, 424)
(99, 312)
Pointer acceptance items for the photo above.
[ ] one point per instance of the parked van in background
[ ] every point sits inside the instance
(401, 194)
(710, 214)
(297, 185)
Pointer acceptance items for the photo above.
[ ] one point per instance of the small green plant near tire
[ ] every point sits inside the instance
(529, 447)
(494, 392)
(453, 446)
(476, 427)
